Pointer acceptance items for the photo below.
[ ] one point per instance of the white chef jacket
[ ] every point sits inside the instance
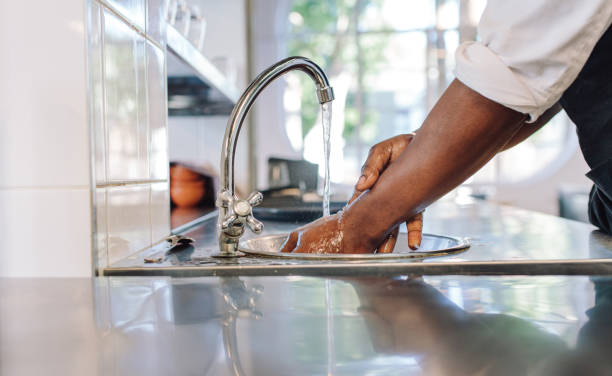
(530, 51)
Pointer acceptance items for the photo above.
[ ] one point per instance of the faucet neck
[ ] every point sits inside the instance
(324, 94)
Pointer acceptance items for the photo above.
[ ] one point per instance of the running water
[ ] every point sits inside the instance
(326, 114)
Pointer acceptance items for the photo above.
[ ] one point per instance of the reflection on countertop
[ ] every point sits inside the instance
(180, 216)
(402, 325)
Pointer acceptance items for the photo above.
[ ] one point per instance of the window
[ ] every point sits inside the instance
(389, 61)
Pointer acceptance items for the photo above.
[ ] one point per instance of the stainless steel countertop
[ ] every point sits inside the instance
(505, 240)
(438, 325)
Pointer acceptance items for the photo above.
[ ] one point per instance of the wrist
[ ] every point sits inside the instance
(363, 230)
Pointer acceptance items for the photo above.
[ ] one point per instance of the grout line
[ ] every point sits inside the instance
(129, 23)
(131, 182)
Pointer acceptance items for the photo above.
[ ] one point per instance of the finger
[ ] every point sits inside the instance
(415, 231)
(290, 243)
(379, 157)
(389, 243)
(373, 166)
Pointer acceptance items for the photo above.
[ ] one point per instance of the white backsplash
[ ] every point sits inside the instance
(46, 232)
(131, 136)
(45, 190)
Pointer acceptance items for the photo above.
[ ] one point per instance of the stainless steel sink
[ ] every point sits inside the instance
(431, 246)
(503, 240)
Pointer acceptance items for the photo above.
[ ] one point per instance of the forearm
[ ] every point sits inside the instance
(462, 132)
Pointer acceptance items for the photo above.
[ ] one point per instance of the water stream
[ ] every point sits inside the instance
(326, 114)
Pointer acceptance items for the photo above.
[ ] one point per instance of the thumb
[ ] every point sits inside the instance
(367, 179)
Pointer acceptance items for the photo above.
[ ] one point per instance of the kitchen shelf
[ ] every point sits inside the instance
(184, 60)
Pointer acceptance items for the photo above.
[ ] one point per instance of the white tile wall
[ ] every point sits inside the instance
(143, 110)
(43, 101)
(129, 220)
(96, 91)
(160, 215)
(75, 95)
(158, 112)
(132, 142)
(45, 197)
(46, 232)
(101, 236)
(133, 10)
(156, 20)
(124, 85)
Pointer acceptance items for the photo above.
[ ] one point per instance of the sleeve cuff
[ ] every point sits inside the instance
(483, 71)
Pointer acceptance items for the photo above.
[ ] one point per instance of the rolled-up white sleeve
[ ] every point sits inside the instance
(530, 51)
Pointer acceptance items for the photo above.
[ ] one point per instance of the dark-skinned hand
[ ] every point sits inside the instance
(328, 235)
(379, 158)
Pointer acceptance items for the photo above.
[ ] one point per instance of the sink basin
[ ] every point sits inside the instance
(431, 246)
(290, 209)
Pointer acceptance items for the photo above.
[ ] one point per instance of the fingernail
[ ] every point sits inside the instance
(361, 180)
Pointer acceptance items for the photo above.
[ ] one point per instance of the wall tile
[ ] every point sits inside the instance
(143, 106)
(156, 20)
(96, 93)
(133, 10)
(129, 220)
(101, 236)
(45, 233)
(43, 95)
(158, 112)
(160, 211)
(124, 86)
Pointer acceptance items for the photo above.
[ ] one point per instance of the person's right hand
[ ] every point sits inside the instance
(380, 156)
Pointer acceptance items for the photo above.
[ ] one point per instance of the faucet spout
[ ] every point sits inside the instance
(235, 213)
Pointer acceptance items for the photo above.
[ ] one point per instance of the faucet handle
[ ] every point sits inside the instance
(239, 211)
(228, 221)
(255, 198)
(255, 225)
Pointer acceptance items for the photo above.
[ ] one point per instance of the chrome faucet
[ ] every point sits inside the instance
(234, 213)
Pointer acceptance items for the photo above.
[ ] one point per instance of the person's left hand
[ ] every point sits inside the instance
(325, 235)
(379, 158)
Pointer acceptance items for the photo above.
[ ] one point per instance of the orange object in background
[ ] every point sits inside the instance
(191, 186)
(187, 193)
